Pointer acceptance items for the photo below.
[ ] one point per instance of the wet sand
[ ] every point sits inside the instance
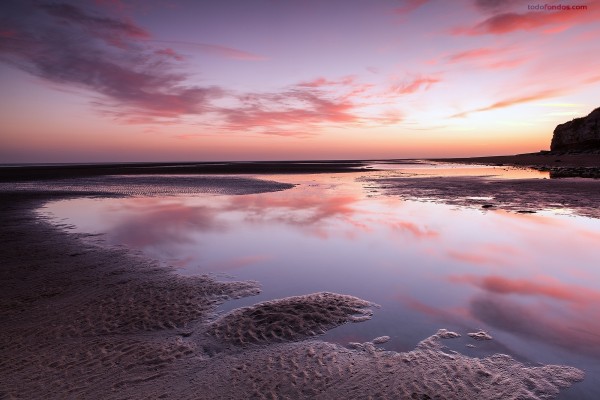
(559, 164)
(574, 185)
(579, 196)
(84, 321)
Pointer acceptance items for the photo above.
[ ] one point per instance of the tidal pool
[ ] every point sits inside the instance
(531, 280)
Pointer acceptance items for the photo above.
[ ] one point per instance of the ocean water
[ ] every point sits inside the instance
(531, 280)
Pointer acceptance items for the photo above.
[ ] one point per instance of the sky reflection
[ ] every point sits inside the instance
(531, 279)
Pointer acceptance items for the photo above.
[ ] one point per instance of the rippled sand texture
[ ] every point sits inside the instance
(80, 321)
(319, 370)
(290, 319)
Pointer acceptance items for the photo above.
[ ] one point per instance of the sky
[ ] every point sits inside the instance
(157, 80)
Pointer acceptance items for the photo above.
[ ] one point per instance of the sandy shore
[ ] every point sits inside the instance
(560, 165)
(578, 195)
(83, 321)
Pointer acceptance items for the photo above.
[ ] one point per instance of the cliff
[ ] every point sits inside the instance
(578, 134)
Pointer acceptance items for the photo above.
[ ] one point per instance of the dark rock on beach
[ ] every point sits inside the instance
(578, 134)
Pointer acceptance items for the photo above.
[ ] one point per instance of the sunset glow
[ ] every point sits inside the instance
(101, 80)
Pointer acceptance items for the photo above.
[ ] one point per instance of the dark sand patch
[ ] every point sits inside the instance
(581, 196)
(81, 321)
(148, 185)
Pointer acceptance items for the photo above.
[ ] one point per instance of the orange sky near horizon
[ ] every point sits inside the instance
(101, 81)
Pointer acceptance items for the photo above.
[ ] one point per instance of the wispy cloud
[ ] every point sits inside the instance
(413, 85)
(298, 106)
(511, 101)
(216, 50)
(107, 56)
(135, 78)
(507, 22)
(324, 82)
(103, 55)
(471, 54)
(170, 53)
(71, 14)
(409, 6)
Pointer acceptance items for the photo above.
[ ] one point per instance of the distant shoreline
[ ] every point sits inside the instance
(547, 161)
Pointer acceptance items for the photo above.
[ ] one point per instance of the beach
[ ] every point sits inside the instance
(85, 321)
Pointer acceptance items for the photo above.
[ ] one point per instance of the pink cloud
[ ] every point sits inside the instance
(294, 110)
(347, 84)
(214, 49)
(508, 22)
(424, 82)
(511, 63)
(169, 53)
(289, 133)
(487, 58)
(323, 82)
(472, 54)
(511, 101)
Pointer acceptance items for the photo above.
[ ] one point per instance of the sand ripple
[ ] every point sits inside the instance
(292, 318)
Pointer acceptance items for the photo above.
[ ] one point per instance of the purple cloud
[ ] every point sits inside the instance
(65, 44)
(72, 14)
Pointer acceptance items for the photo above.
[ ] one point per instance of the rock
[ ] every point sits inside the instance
(480, 335)
(578, 134)
(446, 334)
(380, 340)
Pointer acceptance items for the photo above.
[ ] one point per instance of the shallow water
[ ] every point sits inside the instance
(531, 280)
